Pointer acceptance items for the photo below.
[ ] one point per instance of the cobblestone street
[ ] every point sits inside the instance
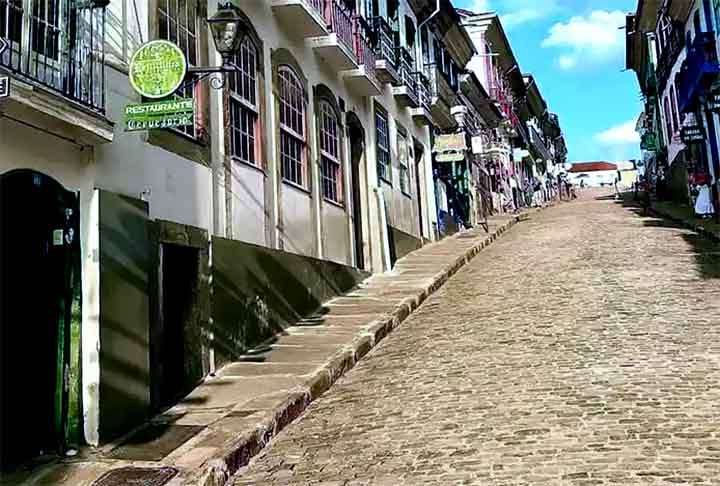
(581, 348)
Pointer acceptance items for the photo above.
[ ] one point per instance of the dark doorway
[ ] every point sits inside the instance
(39, 262)
(419, 154)
(356, 135)
(175, 359)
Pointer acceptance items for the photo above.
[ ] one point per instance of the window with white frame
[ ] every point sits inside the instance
(292, 127)
(243, 104)
(178, 23)
(330, 153)
(383, 145)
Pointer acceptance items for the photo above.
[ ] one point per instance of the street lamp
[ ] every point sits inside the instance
(228, 31)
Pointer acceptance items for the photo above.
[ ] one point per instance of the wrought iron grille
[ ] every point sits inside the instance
(407, 70)
(57, 44)
(340, 21)
(424, 90)
(385, 47)
(431, 72)
(364, 45)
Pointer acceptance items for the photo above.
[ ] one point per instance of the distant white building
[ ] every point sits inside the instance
(594, 174)
(600, 173)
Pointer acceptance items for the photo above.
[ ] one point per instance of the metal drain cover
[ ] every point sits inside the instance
(136, 476)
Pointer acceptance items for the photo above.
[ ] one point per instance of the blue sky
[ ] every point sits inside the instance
(576, 53)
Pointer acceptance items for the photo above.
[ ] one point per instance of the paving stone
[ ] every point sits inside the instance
(582, 348)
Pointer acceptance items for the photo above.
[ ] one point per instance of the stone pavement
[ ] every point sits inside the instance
(583, 348)
(232, 416)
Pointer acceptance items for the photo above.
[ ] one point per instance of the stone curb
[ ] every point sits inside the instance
(218, 471)
(688, 224)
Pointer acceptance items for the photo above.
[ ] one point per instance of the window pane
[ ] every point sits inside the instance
(292, 122)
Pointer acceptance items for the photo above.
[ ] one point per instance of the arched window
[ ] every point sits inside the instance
(673, 108)
(243, 105)
(292, 126)
(330, 158)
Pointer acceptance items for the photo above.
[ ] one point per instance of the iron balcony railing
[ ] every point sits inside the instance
(364, 48)
(700, 69)
(318, 6)
(431, 72)
(671, 50)
(385, 44)
(56, 44)
(406, 70)
(340, 22)
(424, 90)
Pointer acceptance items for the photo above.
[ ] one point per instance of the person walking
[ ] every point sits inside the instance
(703, 204)
(618, 178)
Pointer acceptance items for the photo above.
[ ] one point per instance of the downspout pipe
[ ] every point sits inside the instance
(437, 11)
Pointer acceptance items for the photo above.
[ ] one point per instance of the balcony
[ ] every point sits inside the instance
(337, 46)
(699, 71)
(406, 93)
(442, 96)
(422, 114)
(64, 54)
(670, 53)
(56, 62)
(386, 61)
(538, 144)
(363, 80)
(304, 18)
(504, 103)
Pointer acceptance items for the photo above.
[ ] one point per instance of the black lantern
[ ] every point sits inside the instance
(227, 30)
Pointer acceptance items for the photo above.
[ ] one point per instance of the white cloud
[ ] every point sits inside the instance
(517, 12)
(623, 134)
(594, 38)
(567, 62)
(481, 6)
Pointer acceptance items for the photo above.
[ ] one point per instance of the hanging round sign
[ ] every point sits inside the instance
(157, 69)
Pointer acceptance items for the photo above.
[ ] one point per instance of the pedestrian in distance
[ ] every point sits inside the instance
(703, 204)
(618, 178)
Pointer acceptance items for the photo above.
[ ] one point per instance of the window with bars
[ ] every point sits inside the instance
(292, 126)
(178, 23)
(243, 104)
(383, 145)
(330, 153)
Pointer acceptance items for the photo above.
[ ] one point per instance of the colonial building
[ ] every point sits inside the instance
(672, 47)
(135, 263)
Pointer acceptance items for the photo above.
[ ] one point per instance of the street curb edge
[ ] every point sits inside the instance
(218, 471)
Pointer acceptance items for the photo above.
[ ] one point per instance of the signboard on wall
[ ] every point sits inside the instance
(713, 102)
(157, 69)
(450, 147)
(450, 156)
(692, 134)
(452, 141)
(159, 114)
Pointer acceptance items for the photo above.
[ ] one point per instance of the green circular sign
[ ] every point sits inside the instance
(157, 69)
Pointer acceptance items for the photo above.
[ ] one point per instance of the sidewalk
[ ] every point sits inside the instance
(686, 215)
(229, 418)
(678, 213)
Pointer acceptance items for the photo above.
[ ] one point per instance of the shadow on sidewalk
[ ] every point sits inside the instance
(705, 251)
